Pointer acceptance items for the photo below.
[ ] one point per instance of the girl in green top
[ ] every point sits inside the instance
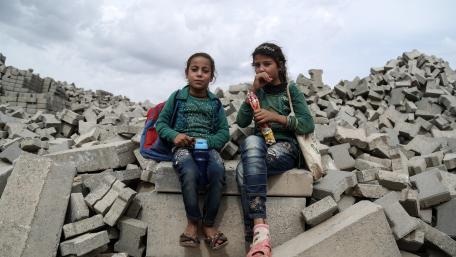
(259, 160)
(198, 114)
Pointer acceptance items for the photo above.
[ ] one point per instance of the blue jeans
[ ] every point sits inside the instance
(258, 161)
(189, 175)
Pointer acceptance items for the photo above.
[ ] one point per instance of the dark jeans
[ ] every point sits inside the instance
(189, 177)
(258, 161)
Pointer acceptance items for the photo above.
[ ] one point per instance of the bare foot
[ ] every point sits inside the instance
(192, 229)
(211, 232)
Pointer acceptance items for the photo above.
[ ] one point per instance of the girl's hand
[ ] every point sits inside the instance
(182, 140)
(264, 116)
(261, 79)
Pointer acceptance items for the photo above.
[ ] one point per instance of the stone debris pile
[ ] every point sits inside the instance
(72, 181)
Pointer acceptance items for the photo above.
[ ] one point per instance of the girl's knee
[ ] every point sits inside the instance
(253, 144)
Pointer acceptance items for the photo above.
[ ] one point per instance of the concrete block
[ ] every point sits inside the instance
(132, 237)
(371, 191)
(35, 186)
(334, 184)
(449, 180)
(384, 163)
(450, 160)
(5, 172)
(417, 165)
(119, 206)
(12, 152)
(409, 200)
(412, 242)
(345, 202)
(165, 212)
(393, 180)
(102, 206)
(133, 209)
(367, 226)
(229, 151)
(445, 218)
(78, 207)
(366, 175)
(438, 238)
(355, 137)
(400, 221)
(361, 164)
(295, 182)
(99, 157)
(145, 164)
(84, 244)
(320, 211)
(426, 215)
(423, 145)
(83, 226)
(99, 187)
(91, 135)
(342, 157)
(430, 190)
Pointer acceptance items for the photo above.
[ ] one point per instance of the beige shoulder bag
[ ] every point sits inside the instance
(309, 148)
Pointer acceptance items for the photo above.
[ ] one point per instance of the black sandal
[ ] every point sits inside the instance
(188, 241)
(213, 242)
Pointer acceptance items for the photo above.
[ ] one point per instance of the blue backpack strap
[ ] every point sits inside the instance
(215, 117)
(175, 107)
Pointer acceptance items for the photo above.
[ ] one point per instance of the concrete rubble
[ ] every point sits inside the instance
(73, 183)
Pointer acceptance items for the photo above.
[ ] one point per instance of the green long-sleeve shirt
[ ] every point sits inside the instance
(195, 117)
(301, 123)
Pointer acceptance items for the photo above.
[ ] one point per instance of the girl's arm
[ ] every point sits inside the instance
(221, 136)
(303, 122)
(245, 115)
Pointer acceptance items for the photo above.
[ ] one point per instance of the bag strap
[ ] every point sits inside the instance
(289, 100)
(173, 117)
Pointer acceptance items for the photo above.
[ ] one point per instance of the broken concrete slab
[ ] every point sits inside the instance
(367, 226)
(84, 244)
(400, 221)
(132, 237)
(445, 218)
(166, 212)
(99, 157)
(430, 190)
(36, 186)
(342, 157)
(320, 211)
(334, 184)
(83, 226)
(438, 238)
(295, 182)
(78, 209)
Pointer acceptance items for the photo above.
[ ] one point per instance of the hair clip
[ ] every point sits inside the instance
(265, 47)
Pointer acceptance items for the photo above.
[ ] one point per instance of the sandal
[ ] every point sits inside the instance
(263, 248)
(261, 245)
(188, 241)
(213, 242)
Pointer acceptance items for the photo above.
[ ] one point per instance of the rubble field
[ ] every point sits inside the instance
(73, 183)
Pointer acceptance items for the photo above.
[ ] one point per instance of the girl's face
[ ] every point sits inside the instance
(199, 73)
(263, 63)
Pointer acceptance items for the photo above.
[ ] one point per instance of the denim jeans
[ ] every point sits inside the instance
(189, 175)
(258, 161)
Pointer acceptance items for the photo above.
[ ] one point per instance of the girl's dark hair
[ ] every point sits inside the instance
(275, 52)
(204, 55)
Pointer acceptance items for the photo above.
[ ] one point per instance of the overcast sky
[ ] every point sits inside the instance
(138, 48)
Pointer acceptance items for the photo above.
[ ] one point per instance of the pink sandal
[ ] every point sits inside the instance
(262, 248)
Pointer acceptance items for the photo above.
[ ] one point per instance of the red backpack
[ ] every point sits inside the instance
(151, 145)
